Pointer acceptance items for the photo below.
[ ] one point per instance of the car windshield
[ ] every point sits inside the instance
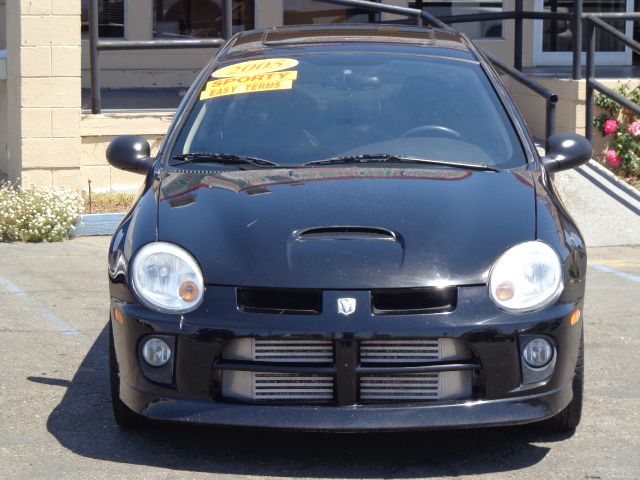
(327, 106)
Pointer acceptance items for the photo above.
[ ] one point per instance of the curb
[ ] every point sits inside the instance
(97, 224)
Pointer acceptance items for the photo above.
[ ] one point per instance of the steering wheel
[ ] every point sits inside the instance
(425, 129)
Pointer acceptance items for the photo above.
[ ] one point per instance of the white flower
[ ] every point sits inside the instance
(34, 215)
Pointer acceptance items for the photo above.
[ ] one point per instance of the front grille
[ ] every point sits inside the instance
(414, 301)
(408, 387)
(293, 351)
(279, 301)
(259, 370)
(399, 351)
(284, 387)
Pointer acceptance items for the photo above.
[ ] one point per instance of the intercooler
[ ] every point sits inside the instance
(304, 371)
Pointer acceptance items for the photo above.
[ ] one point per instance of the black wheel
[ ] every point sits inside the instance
(125, 417)
(569, 418)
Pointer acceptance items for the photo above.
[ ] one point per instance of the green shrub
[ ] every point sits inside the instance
(29, 214)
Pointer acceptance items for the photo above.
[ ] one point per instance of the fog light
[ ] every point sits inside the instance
(538, 353)
(156, 352)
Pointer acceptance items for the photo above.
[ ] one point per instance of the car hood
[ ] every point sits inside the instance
(346, 227)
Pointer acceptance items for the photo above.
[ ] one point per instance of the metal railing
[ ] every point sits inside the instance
(421, 17)
(594, 21)
(518, 15)
(551, 99)
(96, 45)
(515, 72)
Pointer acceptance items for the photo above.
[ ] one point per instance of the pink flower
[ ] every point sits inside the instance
(613, 158)
(610, 126)
(634, 128)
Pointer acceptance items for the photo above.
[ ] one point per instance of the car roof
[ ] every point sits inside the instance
(388, 36)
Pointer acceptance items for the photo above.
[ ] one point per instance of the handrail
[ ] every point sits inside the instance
(522, 78)
(518, 15)
(615, 96)
(160, 43)
(514, 72)
(418, 14)
(96, 99)
(421, 17)
(594, 21)
(613, 15)
(96, 45)
(551, 98)
(615, 32)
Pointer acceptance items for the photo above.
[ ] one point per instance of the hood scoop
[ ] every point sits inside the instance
(344, 250)
(346, 228)
(346, 233)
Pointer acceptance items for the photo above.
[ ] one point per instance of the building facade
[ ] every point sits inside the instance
(49, 137)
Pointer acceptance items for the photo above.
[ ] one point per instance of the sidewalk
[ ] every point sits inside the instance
(606, 210)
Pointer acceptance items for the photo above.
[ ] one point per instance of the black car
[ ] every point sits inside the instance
(348, 228)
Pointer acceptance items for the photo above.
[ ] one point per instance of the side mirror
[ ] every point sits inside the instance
(566, 151)
(131, 153)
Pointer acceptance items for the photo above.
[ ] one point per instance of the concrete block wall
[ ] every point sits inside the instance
(146, 68)
(3, 25)
(3, 128)
(3, 90)
(43, 92)
(98, 130)
(570, 110)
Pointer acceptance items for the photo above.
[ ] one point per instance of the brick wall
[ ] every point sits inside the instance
(98, 130)
(43, 83)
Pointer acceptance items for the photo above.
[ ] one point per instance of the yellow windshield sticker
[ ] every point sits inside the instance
(255, 66)
(262, 82)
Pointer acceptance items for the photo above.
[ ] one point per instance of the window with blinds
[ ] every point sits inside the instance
(199, 18)
(110, 18)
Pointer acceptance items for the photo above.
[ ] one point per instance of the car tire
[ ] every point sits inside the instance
(569, 418)
(125, 417)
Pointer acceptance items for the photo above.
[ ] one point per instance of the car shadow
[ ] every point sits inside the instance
(83, 423)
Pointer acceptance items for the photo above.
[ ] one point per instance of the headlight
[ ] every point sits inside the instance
(526, 277)
(166, 278)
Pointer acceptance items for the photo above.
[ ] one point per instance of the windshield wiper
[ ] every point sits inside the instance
(223, 158)
(388, 158)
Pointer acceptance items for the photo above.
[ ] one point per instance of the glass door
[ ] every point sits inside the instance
(553, 40)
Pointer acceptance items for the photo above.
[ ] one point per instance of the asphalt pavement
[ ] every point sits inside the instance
(56, 420)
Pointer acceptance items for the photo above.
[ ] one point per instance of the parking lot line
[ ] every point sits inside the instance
(45, 313)
(625, 275)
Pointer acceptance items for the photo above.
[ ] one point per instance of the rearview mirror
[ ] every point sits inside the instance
(566, 151)
(131, 153)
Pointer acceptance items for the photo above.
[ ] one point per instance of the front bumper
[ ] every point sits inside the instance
(512, 411)
(492, 335)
